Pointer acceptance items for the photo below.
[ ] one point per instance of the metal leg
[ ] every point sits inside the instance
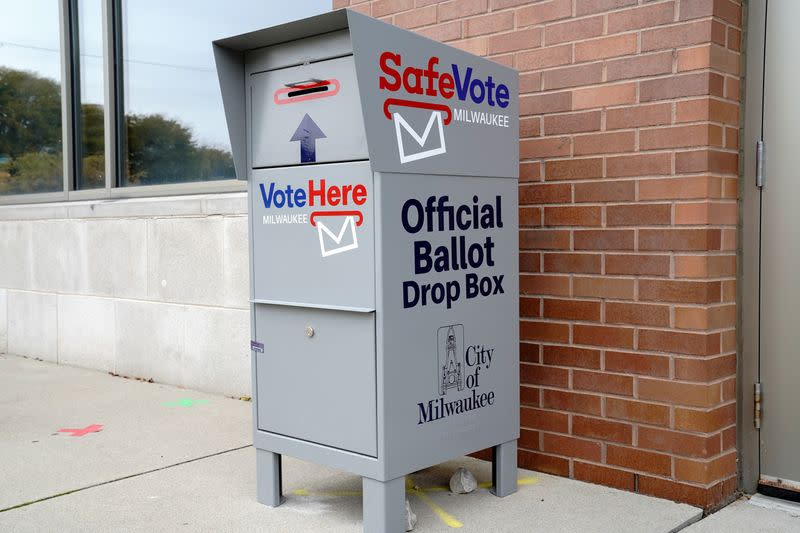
(384, 505)
(268, 478)
(504, 469)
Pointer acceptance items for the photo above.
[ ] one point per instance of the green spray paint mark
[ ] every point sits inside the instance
(186, 402)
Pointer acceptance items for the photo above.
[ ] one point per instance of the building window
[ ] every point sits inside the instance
(91, 172)
(175, 128)
(30, 98)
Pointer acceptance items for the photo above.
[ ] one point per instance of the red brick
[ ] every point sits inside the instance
(676, 36)
(606, 191)
(572, 447)
(602, 382)
(573, 263)
(603, 143)
(449, 31)
(603, 287)
(603, 475)
(552, 56)
(530, 171)
(530, 127)
(544, 463)
(641, 17)
(491, 23)
(545, 147)
(637, 265)
(573, 169)
(528, 440)
(550, 376)
(724, 9)
(529, 262)
(639, 215)
(515, 40)
(572, 123)
(529, 307)
(679, 239)
(614, 337)
(545, 194)
(680, 137)
(571, 401)
(679, 443)
(606, 47)
(544, 12)
(586, 7)
(639, 66)
(640, 460)
(694, 84)
(705, 421)
(707, 498)
(571, 356)
(679, 342)
(635, 411)
(634, 363)
(680, 188)
(535, 239)
(705, 471)
(456, 9)
(536, 284)
(572, 76)
(544, 419)
(603, 239)
(422, 16)
(530, 216)
(572, 309)
(381, 8)
(606, 95)
(640, 314)
(706, 161)
(696, 292)
(598, 428)
(543, 331)
(529, 395)
(705, 370)
(691, 394)
(640, 115)
(572, 216)
(573, 30)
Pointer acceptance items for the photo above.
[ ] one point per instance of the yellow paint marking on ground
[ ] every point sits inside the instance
(446, 517)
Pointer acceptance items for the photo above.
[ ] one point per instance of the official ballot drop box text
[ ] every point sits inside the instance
(382, 187)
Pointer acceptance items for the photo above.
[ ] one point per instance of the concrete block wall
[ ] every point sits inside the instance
(628, 209)
(151, 288)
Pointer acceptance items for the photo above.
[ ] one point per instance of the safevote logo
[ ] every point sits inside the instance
(333, 203)
(459, 84)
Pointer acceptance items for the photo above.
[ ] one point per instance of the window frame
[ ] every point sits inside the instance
(113, 117)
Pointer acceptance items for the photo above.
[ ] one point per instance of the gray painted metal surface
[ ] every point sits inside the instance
(780, 252)
(384, 254)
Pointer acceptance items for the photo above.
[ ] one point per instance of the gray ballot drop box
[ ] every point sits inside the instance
(382, 173)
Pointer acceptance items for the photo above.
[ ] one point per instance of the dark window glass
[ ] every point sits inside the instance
(92, 133)
(175, 128)
(30, 98)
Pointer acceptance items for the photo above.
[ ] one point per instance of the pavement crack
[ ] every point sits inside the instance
(100, 484)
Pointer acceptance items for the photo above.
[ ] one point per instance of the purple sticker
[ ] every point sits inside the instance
(257, 346)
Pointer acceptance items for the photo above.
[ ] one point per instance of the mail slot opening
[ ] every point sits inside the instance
(309, 90)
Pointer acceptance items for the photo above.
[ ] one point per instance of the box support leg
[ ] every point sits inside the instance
(268, 478)
(384, 505)
(504, 469)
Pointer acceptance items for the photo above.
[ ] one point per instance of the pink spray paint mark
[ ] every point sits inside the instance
(80, 432)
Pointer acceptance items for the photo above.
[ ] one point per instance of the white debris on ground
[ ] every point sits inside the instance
(411, 518)
(462, 482)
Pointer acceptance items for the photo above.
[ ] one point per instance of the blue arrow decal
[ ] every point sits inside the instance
(307, 133)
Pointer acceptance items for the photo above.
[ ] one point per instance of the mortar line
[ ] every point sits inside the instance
(100, 484)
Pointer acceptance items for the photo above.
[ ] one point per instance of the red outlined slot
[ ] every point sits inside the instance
(284, 94)
(422, 105)
(359, 219)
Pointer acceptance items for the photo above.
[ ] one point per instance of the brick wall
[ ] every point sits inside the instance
(628, 211)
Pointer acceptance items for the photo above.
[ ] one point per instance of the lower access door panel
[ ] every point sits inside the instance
(316, 376)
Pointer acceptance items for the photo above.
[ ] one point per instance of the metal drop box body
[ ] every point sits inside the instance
(382, 174)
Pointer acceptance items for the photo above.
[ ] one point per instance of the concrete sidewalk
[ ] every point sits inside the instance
(166, 459)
